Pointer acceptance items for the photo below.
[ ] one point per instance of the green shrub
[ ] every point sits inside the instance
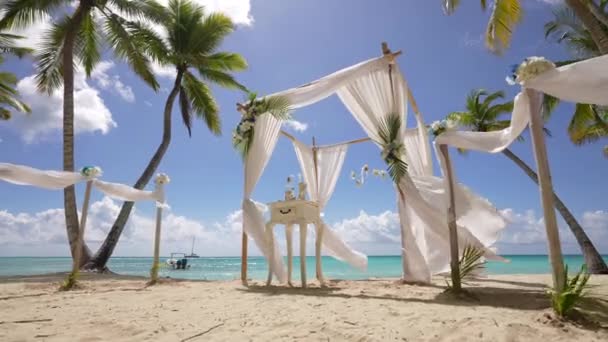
(563, 302)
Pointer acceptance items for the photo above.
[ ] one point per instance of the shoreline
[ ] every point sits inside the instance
(121, 308)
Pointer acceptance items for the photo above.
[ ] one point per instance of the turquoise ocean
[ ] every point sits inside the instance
(228, 268)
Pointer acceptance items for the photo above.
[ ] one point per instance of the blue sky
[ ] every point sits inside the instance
(289, 43)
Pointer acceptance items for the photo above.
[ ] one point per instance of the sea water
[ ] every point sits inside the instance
(229, 268)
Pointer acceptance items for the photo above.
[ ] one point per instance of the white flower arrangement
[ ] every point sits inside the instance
(380, 173)
(438, 127)
(530, 68)
(393, 150)
(360, 179)
(161, 179)
(91, 171)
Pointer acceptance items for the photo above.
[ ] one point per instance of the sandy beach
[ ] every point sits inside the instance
(120, 308)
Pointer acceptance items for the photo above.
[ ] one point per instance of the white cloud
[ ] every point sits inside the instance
(296, 125)
(237, 10)
(148, 103)
(106, 81)
(43, 233)
(90, 111)
(469, 40)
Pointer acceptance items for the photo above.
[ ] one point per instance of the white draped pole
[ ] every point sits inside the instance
(90, 172)
(546, 188)
(83, 222)
(451, 215)
(161, 180)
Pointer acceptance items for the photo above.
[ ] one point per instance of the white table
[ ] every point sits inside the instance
(289, 213)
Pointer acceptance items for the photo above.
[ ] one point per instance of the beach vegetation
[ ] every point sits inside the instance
(573, 291)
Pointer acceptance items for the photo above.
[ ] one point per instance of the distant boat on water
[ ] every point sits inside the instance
(192, 254)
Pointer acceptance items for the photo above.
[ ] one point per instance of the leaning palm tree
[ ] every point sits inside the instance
(75, 38)
(484, 116)
(589, 123)
(190, 45)
(8, 81)
(506, 14)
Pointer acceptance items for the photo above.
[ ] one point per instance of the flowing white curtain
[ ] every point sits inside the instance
(266, 133)
(322, 185)
(422, 211)
(48, 179)
(583, 82)
(265, 138)
(127, 193)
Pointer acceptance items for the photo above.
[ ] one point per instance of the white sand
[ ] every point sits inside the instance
(509, 308)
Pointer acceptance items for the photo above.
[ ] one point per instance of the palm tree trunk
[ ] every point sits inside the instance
(594, 261)
(597, 12)
(104, 253)
(596, 29)
(69, 193)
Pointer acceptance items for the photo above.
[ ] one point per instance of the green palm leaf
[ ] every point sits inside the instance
(389, 132)
(22, 13)
(505, 15)
(202, 102)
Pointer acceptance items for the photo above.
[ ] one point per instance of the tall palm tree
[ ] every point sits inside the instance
(589, 123)
(484, 116)
(8, 81)
(506, 14)
(76, 37)
(190, 45)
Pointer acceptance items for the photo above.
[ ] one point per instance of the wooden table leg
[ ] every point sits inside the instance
(318, 244)
(270, 240)
(303, 227)
(289, 237)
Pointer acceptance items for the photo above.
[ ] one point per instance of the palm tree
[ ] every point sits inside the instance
(190, 45)
(506, 14)
(483, 116)
(8, 81)
(589, 123)
(76, 37)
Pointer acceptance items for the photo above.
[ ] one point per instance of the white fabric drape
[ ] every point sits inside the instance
(48, 179)
(422, 211)
(266, 133)
(583, 82)
(127, 193)
(265, 137)
(322, 185)
(322, 88)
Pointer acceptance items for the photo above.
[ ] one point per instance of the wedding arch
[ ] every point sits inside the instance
(372, 91)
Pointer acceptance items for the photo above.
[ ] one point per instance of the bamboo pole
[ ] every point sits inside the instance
(244, 241)
(156, 262)
(452, 227)
(546, 188)
(83, 223)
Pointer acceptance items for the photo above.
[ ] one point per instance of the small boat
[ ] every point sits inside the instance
(192, 254)
(178, 261)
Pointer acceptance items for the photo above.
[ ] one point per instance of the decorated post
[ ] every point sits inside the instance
(529, 69)
(90, 172)
(161, 180)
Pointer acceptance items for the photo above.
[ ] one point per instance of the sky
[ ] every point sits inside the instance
(289, 43)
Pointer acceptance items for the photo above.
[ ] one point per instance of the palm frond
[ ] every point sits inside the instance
(184, 105)
(89, 39)
(141, 9)
(505, 15)
(277, 106)
(449, 6)
(221, 78)
(222, 61)
(23, 13)
(464, 119)
(8, 45)
(389, 132)
(470, 262)
(50, 58)
(202, 102)
(567, 28)
(126, 47)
